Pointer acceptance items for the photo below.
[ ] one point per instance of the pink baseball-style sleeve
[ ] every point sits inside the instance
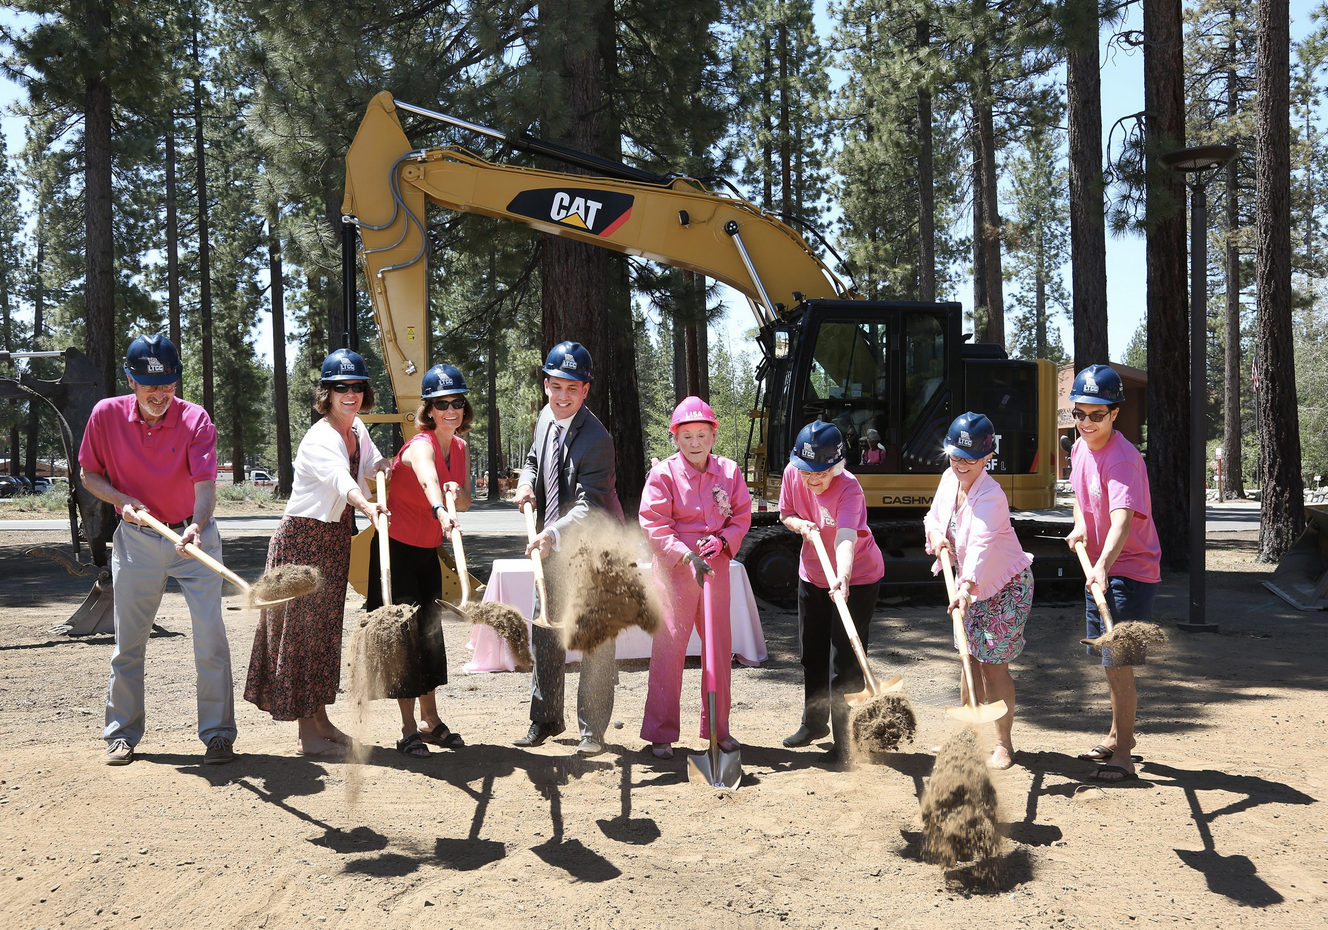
(656, 516)
(740, 502)
(203, 449)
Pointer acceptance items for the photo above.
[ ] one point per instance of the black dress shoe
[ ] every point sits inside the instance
(539, 732)
(804, 736)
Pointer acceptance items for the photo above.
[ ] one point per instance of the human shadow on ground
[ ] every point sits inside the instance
(1234, 876)
(635, 831)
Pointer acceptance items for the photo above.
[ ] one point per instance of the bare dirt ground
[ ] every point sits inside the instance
(1224, 827)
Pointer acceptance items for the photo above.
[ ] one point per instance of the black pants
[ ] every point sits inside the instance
(828, 663)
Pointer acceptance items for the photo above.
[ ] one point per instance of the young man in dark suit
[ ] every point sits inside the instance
(569, 473)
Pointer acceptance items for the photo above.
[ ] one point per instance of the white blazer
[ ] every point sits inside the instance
(322, 472)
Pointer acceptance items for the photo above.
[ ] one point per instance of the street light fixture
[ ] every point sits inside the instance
(1198, 166)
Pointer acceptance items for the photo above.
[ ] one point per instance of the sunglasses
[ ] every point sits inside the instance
(458, 404)
(1082, 415)
(341, 387)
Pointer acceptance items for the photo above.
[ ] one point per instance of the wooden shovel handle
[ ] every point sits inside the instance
(193, 550)
(536, 559)
(380, 526)
(961, 635)
(462, 573)
(842, 603)
(1098, 595)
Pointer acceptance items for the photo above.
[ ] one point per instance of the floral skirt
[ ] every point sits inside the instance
(295, 666)
(995, 626)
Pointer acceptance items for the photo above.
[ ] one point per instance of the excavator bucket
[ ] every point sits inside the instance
(1301, 578)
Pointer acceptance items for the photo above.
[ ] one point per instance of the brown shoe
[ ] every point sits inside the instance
(119, 752)
(219, 751)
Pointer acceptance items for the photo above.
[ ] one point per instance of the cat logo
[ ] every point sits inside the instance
(600, 213)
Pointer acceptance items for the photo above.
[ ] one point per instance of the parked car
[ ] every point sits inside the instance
(261, 479)
(10, 486)
(41, 485)
(23, 480)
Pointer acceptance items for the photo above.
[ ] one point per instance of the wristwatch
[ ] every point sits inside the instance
(436, 508)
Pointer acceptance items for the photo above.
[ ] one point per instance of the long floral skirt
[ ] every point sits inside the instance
(995, 627)
(295, 667)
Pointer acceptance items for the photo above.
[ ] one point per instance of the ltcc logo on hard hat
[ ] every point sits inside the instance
(445, 380)
(965, 440)
(569, 362)
(347, 364)
(155, 367)
(807, 451)
(1090, 385)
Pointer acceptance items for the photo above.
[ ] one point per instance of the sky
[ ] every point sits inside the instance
(1122, 95)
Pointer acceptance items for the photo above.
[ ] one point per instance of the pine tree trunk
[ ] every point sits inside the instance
(678, 333)
(38, 328)
(8, 336)
(991, 227)
(173, 246)
(280, 383)
(1088, 232)
(495, 421)
(100, 245)
(702, 342)
(1282, 511)
(338, 328)
(785, 156)
(1040, 312)
(926, 184)
(1168, 335)
(1233, 471)
(318, 339)
(204, 250)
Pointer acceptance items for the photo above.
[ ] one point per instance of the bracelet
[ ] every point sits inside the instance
(436, 508)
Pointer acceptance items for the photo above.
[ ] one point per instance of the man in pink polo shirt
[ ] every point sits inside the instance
(149, 452)
(1113, 517)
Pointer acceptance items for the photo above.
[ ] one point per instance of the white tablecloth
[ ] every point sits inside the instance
(512, 582)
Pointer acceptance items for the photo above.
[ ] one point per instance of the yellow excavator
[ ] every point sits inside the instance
(891, 374)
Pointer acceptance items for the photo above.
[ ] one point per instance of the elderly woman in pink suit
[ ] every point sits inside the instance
(994, 582)
(695, 511)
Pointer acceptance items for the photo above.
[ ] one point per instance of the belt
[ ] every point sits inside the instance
(181, 525)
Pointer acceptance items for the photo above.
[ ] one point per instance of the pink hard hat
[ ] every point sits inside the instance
(692, 410)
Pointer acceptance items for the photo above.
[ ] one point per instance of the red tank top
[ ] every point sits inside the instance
(413, 522)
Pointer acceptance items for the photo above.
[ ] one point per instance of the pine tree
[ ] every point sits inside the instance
(1039, 246)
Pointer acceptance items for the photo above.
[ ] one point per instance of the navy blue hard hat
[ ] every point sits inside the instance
(441, 380)
(819, 447)
(1097, 384)
(344, 365)
(569, 360)
(153, 361)
(971, 436)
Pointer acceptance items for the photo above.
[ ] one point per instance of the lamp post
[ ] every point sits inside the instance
(1198, 166)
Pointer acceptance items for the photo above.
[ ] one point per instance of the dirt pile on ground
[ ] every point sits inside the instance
(959, 809)
(508, 623)
(1130, 640)
(384, 653)
(606, 592)
(284, 582)
(882, 723)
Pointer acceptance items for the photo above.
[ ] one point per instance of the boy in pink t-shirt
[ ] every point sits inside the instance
(1113, 518)
(818, 496)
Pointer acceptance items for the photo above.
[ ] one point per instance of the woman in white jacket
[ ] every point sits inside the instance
(295, 668)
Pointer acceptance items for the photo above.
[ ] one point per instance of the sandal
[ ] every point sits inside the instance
(1111, 775)
(442, 736)
(1100, 753)
(413, 746)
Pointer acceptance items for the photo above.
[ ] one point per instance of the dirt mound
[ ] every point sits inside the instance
(508, 623)
(959, 809)
(882, 723)
(608, 594)
(1131, 639)
(385, 655)
(283, 582)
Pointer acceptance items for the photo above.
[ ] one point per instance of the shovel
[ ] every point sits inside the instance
(874, 688)
(1100, 597)
(462, 575)
(537, 560)
(714, 767)
(972, 712)
(380, 526)
(149, 520)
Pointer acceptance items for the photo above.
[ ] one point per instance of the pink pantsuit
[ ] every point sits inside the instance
(680, 504)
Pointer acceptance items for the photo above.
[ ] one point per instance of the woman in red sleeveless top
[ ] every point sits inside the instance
(431, 463)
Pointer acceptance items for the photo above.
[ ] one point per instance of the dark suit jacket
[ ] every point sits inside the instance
(589, 474)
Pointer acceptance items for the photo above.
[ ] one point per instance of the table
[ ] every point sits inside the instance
(512, 582)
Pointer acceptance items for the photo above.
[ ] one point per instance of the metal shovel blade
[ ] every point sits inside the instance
(981, 713)
(892, 685)
(714, 766)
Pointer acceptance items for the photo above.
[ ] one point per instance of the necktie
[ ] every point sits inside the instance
(552, 475)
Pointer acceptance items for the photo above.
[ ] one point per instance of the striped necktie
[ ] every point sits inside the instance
(553, 474)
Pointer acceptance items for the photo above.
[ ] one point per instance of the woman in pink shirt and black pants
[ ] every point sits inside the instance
(818, 496)
(695, 511)
(994, 582)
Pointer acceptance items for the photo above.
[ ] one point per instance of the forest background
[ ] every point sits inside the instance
(180, 170)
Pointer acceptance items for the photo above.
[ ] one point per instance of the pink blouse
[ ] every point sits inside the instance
(986, 549)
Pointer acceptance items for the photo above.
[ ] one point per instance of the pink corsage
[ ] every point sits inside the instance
(722, 502)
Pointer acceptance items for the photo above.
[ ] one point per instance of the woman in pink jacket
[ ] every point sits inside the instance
(695, 511)
(970, 517)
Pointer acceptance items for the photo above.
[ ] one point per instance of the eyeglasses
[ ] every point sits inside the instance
(341, 387)
(1082, 415)
(458, 404)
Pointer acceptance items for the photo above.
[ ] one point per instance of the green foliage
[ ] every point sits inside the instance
(1136, 353)
(1039, 247)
